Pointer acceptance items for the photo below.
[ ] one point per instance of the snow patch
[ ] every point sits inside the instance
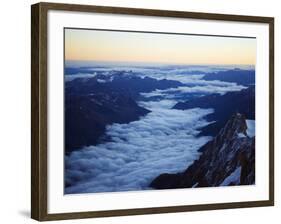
(241, 135)
(234, 177)
(195, 185)
(251, 124)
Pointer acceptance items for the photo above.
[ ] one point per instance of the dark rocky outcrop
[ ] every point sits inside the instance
(239, 76)
(228, 159)
(224, 106)
(86, 116)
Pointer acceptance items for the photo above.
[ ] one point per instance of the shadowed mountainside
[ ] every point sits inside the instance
(121, 82)
(228, 159)
(93, 103)
(86, 116)
(239, 76)
(224, 106)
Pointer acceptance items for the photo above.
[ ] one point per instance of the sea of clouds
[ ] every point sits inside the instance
(195, 84)
(182, 73)
(163, 141)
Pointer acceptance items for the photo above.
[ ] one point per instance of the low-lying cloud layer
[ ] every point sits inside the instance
(196, 85)
(182, 73)
(163, 141)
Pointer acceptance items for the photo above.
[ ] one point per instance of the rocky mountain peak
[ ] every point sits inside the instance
(228, 159)
(235, 125)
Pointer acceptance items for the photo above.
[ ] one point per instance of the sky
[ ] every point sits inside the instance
(116, 46)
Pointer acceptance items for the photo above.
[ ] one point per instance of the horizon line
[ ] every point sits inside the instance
(144, 62)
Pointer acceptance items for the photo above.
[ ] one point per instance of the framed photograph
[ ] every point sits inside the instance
(139, 111)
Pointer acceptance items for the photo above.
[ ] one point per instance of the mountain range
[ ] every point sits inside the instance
(239, 76)
(93, 103)
(224, 106)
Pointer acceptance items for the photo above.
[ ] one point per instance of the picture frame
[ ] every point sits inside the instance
(42, 160)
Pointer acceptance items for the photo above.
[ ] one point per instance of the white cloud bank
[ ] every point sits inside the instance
(197, 85)
(181, 73)
(163, 141)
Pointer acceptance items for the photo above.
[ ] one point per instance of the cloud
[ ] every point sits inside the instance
(163, 141)
(207, 89)
(182, 73)
(197, 85)
(69, 78)
(155, 105)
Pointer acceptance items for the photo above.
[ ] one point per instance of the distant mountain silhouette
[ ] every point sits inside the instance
(224, 106)
(93, 103)
(242, 77)
(120, 81)
(73, 71)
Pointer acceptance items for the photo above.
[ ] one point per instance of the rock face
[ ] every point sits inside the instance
(224, 106)
(228, 159)
(86, 116)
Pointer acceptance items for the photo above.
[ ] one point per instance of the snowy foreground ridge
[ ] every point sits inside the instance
(226, 160)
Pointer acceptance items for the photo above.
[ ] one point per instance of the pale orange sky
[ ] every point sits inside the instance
(97, 45)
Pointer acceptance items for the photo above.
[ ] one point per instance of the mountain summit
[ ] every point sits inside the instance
(228, 159)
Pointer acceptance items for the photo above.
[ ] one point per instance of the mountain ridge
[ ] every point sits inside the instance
(224, 106)
(228, 159)
(93, 103)
(239, 76)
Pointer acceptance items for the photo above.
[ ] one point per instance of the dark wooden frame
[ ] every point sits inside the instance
(39, 110)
